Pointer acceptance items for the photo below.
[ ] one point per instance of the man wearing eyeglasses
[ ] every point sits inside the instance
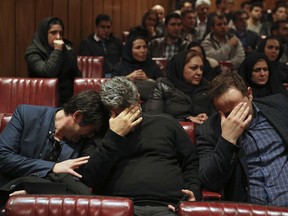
(243, 148)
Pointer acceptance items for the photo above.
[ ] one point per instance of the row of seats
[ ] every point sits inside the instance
(58, 205)
(92, 66)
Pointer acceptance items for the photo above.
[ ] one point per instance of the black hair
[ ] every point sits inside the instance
(171, 16)
(102, 17)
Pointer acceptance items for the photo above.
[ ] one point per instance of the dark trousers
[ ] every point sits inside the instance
(153, 211)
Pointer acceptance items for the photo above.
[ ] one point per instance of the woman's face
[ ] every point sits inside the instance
(193, 70)
(150, 20)
(260, 73)
(272, 49)
(54, 33)
(139, 50)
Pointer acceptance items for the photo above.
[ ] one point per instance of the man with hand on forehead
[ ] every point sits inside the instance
(243, 148)
(148, 158)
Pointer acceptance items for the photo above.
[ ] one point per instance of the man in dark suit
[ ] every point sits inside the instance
(39, 140)
(243, 149)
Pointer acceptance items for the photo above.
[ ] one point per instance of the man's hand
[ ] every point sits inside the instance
(68, 166)
(125, 121)
(58, 44)
(235, 123)
(188, 196)
(233, 41)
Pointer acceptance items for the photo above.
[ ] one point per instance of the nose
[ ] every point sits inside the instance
(58, 36)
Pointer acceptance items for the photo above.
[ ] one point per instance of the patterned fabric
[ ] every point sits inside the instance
(267, 163)
(170, 50)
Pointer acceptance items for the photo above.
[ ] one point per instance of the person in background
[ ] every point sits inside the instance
(171, 44)
(249, 39)
(184, 5)
(280, 29)
(160, 28)
(183, 93)
(137, 65)
(148, 25)
(258, 74)
(222, 46)
(103, 43)
(188, 32)
(243, 147)
(51, 56)
(202, 8)
(272, 47)
(254, 22)
(41, 144)
(211, 67)
(151, 160)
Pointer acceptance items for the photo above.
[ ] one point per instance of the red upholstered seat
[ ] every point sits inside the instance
(68, 205)
(91, 66)
(36, 91)
(82, 84)
(4, 119)
(162, 63)
(190, 129)
(228, 209)
(226, 66)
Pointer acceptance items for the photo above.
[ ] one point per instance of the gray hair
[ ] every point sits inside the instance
(200, 2)
(118, 93)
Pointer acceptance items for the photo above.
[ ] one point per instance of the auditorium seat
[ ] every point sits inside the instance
(91, 66)
(226, 66)
(4, 119)
(190, 130)
(68, 205)
(228, 209)
(36, 91)
(82, 84)
(162, 63)
(285, 86)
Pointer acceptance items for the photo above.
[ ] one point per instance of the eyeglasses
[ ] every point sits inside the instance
(265, 69)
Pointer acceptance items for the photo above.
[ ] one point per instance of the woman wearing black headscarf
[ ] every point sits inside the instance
(137, 65)
(271, 46)
(51, 56)
(183, 93)
(258, 74)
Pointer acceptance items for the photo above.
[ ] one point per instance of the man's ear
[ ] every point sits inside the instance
(77, 116)
(250, 93)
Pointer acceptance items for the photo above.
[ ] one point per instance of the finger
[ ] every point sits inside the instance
(172, 208)
(72, 172)
(247, 120)
(190, 194)
(222, 116)
(137, 121)
(84, 158)
(77, 164)
(113, 114)
(236, 109)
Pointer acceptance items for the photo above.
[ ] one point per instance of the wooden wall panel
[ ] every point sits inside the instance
(25, 26)
(19, 20)
(7, 38)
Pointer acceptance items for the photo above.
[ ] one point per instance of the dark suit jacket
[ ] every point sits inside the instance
(223, 165)
(22, 142)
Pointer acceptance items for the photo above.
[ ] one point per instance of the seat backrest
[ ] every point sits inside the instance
(4, 119)
(226, 66)
(162, 63)
(190, 129)
(91, 66)
(68, 205)
(285, 86)
(36, 91)
(82, 84)
(227, 209)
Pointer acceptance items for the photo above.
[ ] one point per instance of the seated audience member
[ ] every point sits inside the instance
(271, 46)
(242, 149)
(148, 25)
(103, 43)
(279, 12)
(219, 45)
(211, 67)
(202, 7)
(184, 5)
(51, 56)
(42, 142)
(259, 75)
(249, 39)
(188, 32)
(254, 21)
(172, 43)
(280, 29)
(221, 9)
(183, 93)
(152, 168)
(137, 65)
(160, 28)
